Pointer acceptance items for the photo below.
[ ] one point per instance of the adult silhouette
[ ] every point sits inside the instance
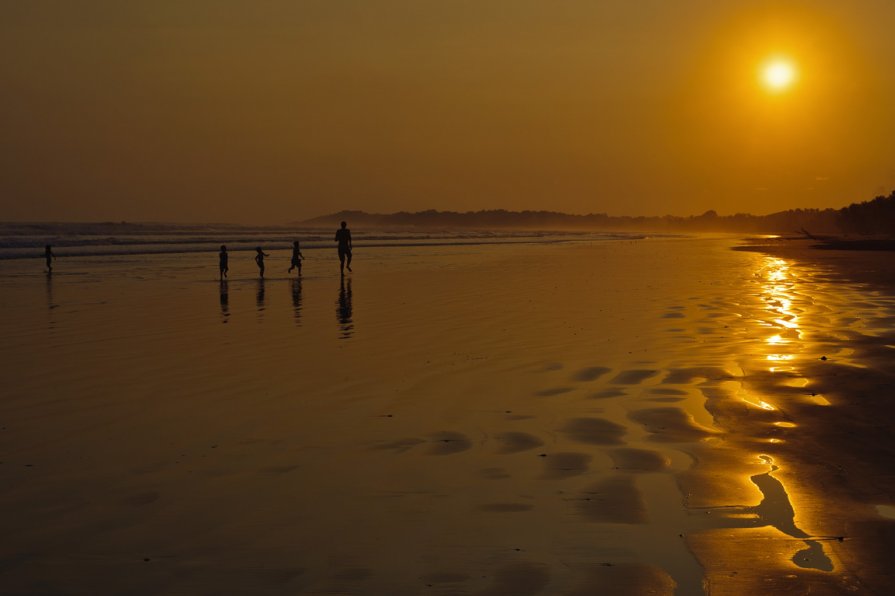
(343, 237)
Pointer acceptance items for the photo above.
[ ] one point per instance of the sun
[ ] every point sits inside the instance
(778, 74)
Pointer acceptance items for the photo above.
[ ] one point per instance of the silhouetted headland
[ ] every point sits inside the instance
(875, 217)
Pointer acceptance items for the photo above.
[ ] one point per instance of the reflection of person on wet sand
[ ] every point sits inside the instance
(50, 303)
(344, 310)
(50, 257)
(343, 237)
(224, 262)
(296, 300)
(225, 300)
(296, 257)
(259, 296)
(259, 258)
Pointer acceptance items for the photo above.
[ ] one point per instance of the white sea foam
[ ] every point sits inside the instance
(26, 240)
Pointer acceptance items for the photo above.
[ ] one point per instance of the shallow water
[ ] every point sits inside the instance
(26, 241)
(502, 419)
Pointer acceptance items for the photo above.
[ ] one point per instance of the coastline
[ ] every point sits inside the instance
(529, 419)
(849, 259)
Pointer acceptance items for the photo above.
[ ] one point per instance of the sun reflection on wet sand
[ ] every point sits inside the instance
(779, 294)
(773, 360)
(808, 341)
(776, 510)
(785, 303)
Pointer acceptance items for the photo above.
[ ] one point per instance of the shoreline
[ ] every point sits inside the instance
(867, 261)
(533, 419)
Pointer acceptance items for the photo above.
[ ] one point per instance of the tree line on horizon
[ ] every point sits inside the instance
(869, 218)
(875, 217)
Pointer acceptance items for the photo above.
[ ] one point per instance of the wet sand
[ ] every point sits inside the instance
(660, 416)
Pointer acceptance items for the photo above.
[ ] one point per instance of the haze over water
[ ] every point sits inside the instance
(466, 411)
(282, 110)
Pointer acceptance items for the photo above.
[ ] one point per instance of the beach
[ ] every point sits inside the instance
(651, 415)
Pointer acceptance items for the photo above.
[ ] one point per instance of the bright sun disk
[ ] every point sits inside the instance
(778, 74)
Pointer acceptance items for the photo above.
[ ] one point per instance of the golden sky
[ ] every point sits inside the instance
(276, 110)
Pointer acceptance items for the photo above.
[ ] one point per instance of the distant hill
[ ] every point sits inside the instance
(875, 217)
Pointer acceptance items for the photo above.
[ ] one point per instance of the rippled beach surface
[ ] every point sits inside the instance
(616, 416)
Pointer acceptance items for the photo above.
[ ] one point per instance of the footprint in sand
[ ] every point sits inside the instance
(552, 391)
(448, 443)
(566, 464)
(494, 473)
(667, 395)
(633, 376)
(667, 391)
(514, 442)
(639, 460)
(515, 417)
(594, 431)
(400, 445)
(614, 500)
(441, 443)
(591, 373)
(674, 312)
(607, 393)
(670, 425)
(683, 376)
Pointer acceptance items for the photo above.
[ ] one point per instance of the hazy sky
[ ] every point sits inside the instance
(277, 110)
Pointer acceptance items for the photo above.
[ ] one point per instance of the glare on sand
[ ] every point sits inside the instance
(778, 74)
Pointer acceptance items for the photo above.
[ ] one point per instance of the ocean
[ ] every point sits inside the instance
(27, 240)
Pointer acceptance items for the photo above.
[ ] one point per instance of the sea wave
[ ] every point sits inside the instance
(27, 240)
